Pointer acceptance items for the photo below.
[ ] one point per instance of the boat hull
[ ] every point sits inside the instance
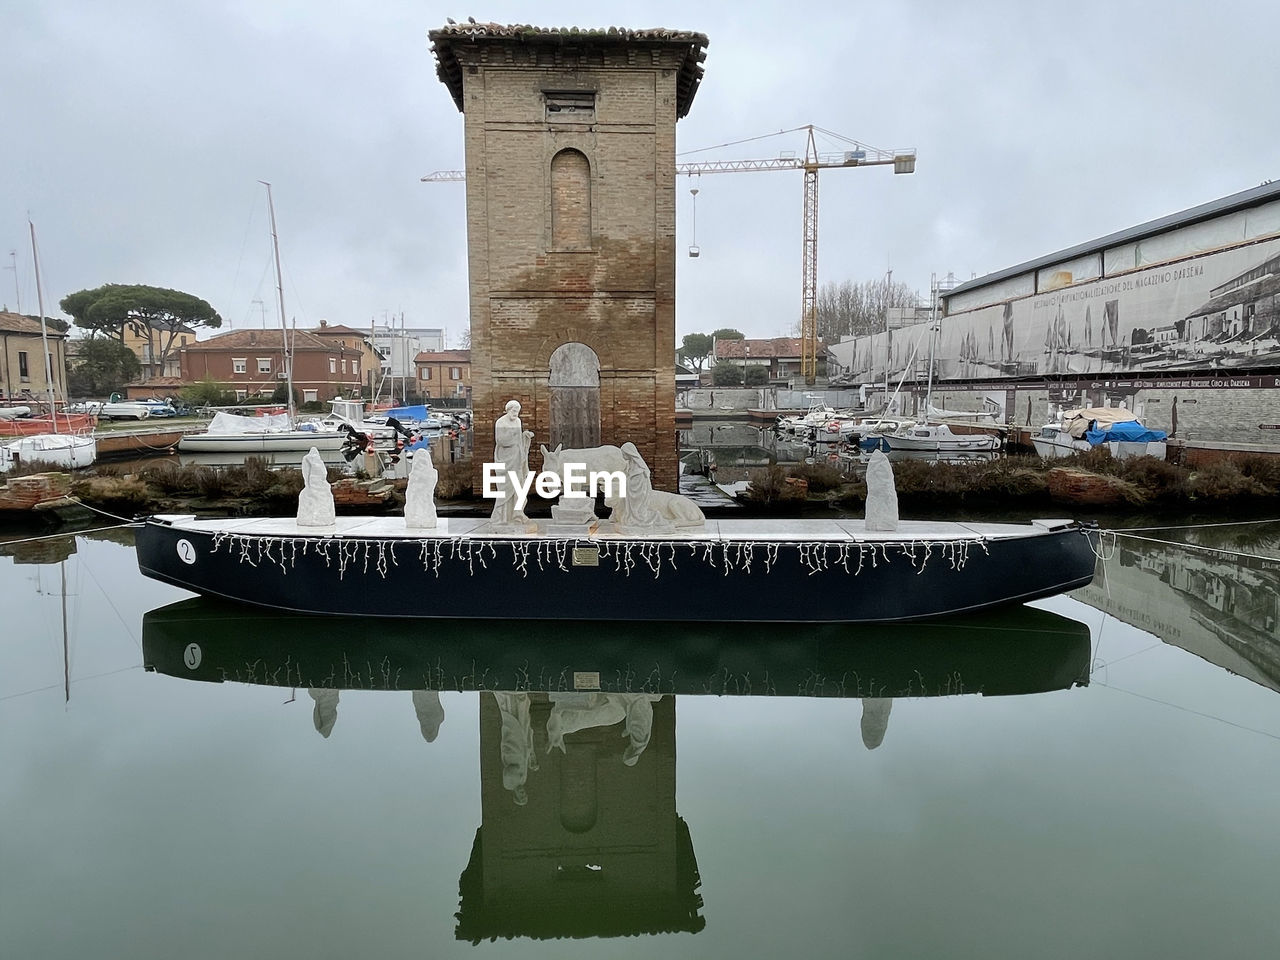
(250, 443)
(958, 444)
(52, 449)
(793, 571)
(1064, 445)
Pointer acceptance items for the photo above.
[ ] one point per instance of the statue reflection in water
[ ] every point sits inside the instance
(579, 832)
(426, 704)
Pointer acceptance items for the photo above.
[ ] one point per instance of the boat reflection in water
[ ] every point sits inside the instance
(580, 835)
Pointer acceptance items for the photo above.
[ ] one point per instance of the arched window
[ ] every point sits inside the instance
(575, 396)
(570, 201)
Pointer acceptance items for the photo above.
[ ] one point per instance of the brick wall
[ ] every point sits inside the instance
(529, 295)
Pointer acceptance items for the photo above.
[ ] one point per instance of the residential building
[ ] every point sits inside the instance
(251, 363)
(780, 355)
(397, 346)
(158, 347)
(350, 341)
(22, 369)
(443, 373)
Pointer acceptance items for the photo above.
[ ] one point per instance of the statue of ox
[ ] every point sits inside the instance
(606, 459)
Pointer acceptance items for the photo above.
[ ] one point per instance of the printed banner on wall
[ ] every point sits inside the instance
(1218, 311)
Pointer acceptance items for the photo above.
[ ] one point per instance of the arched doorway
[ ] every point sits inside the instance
(575, 396)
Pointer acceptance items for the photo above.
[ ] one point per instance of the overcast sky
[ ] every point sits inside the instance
(136, 132)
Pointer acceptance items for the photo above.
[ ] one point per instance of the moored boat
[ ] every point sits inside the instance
(230, 433)
(817, 570)
(62, 450)
(1116, 429)
(939, 438)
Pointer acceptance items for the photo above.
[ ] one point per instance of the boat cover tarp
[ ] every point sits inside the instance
(232, 423)
(414, 413)
(1131, 431)
(1080, 422)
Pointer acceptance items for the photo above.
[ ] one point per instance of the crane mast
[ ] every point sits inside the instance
(809, 268)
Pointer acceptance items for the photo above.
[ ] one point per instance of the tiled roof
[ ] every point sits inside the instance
(17, 323)
(780, 347)
(443, 356)
(446, 41)
(338, 328)
(159, 382)
(261, 340)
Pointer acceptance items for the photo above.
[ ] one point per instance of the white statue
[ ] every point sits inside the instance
(602, 459)
(579, 711)
(511, 449)
(426, 704)
(315, 502)
(882, 495)
(645, 508)
(515, 744)
(325, 714)
(636, 510)
(420, 495)
(875, 720)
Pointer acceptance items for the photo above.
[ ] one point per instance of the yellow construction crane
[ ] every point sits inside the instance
(858, 155)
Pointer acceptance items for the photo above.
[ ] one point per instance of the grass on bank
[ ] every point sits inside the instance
(253, 486)
(1026, 481)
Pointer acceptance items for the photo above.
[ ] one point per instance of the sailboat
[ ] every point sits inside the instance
(65, 451)
(937, 437)
(230, 433)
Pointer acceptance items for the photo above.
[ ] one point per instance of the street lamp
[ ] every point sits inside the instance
(746, 353)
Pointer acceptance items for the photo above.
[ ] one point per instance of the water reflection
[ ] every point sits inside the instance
(1217, 595)
(833, 806)
(728, 451)
(580, 834)
(1016, 651)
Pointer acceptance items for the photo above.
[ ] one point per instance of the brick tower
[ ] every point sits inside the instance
(570, 165)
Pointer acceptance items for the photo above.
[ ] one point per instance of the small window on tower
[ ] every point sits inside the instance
(570, 106)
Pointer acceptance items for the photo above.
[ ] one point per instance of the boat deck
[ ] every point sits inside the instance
(739, 531)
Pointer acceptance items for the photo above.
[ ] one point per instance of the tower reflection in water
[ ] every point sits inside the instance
(579, 831)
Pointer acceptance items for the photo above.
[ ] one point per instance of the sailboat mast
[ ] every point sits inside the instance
(888, 282)
(933, 338)
(284, 329)
(44, 331)
(66, 652)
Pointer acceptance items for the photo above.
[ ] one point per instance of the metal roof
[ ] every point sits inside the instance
(1205, 211)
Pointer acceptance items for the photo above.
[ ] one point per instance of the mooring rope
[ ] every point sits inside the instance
(130, 521)
(1234, 554)
(1199, 526)
(68, 533)
(1106, 548)
(1196, 713)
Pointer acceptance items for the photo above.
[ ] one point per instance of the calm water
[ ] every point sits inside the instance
(1096, 777)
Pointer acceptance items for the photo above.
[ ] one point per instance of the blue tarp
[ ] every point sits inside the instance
(420, 412)
(1130, 431)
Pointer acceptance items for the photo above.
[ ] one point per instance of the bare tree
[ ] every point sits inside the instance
(852, 308)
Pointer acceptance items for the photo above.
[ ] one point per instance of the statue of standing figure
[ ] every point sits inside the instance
(511, 450)
(420, 495)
